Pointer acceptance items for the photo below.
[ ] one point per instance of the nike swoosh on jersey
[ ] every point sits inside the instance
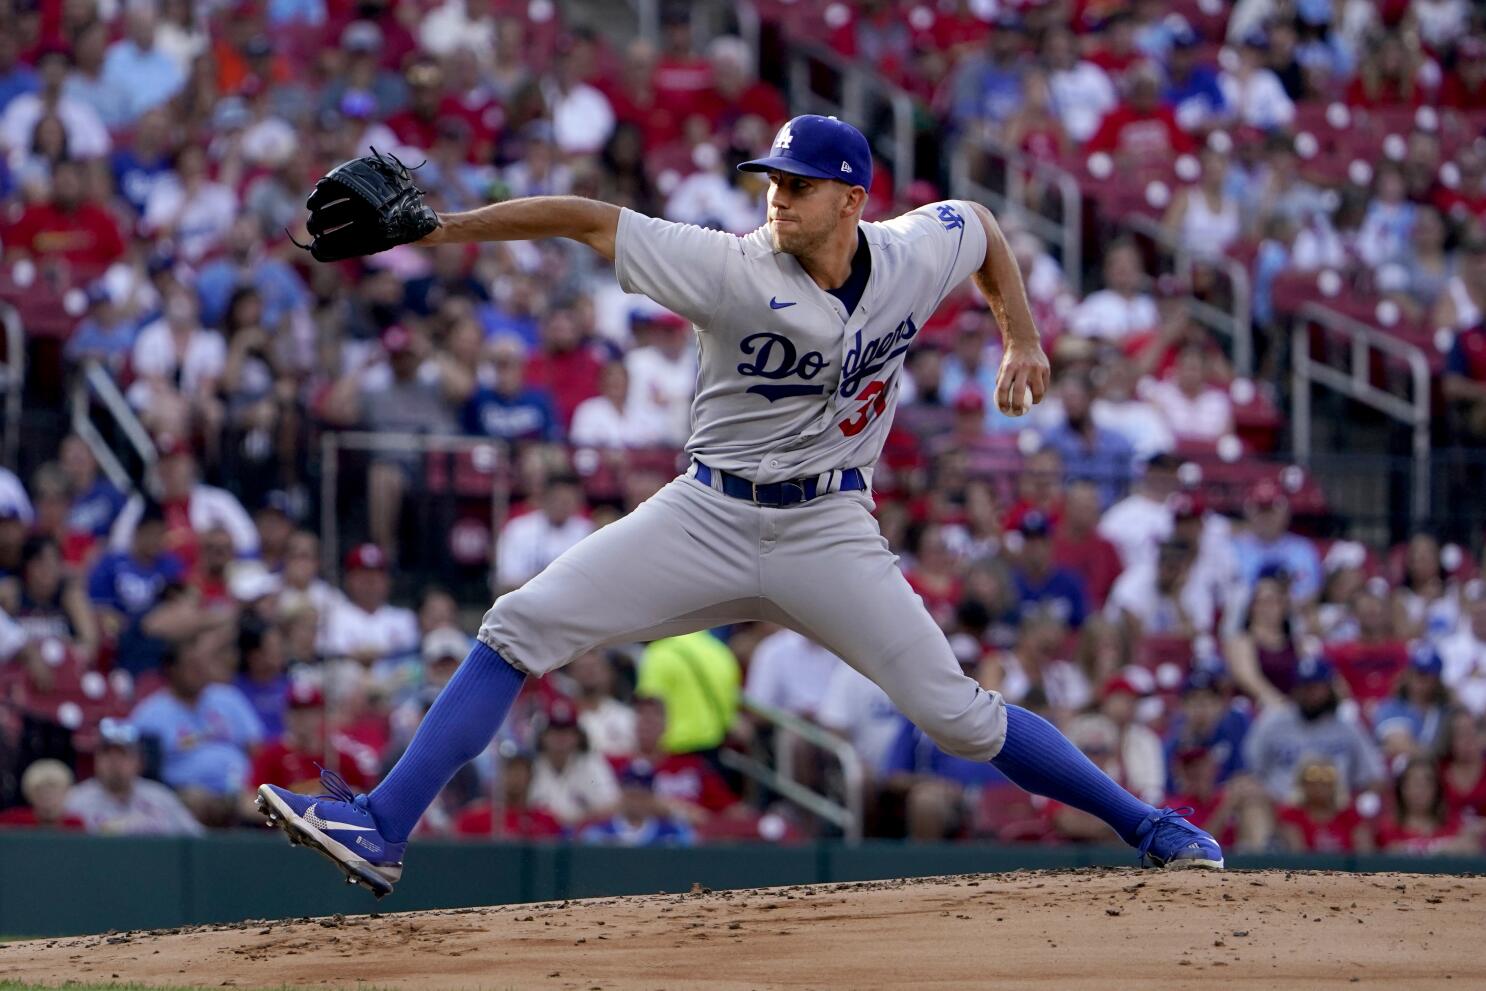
(774, 304)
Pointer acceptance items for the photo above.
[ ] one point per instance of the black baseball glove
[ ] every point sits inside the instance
(364, 206)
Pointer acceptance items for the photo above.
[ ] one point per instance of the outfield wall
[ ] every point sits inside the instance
(59, 884)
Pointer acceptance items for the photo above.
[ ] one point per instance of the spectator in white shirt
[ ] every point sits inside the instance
(857, 709)
(1160, 598)
(457, 24)
(1140, 521)
(207, 507)
(530, 542)
(362, 625)
(582, 119)
(1142, 757)
(178, 364)
(711, 196)
(1082, 92)
(189, 208)
(87, 137)
(569, 778)
(1136, 419)
(1253, 92)
(1193, 410)
(663, 379)
(604, 421)
(116, 801)
(13, 497)
(1121, 309)
(608, 722)
(790, 672)
(1464, 653)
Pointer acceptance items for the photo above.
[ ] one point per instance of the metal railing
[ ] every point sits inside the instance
(847, 814)
(333, 443)
(855, 86)
(13, 383)
(1235, 323)
(1364, 345)
(94, 384)
(1015, 167)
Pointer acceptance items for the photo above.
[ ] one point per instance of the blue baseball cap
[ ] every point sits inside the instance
(821, 148)
(1424, 659)
(1314, 670)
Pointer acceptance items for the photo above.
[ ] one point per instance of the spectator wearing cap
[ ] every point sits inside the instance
(1041, 585)
(105, 335)
(307, 743)
(1088, 450)
(1191, 87)
(510, 409)
(608, 722)
(698, 677)
(397, 389)
(1208, 720)
(1321, 818)
(66, 226)
(1161, 599)
(1267, 540)
(129, 588)
(1194, 410)
(642, 819)
(262, 675)
(205, 729)
(1119, 310)
(190, 507)
(1138, 523)
(1307, 727)
(1253, 93)
(87, 135)
(514, 816)
(1463, 652)
(530, 542)
(141, 74)
(1410, 724)
(569, 778)
(118, 801)
(44, 786)
(1078, 546)
(1142, 758)
(362, 624)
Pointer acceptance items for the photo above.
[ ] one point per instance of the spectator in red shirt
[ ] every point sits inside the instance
(1373, 660)
(682, 78)
(209, 578)
(1078, 547)
(1039, 489)
(1421, 821)
(1387, 75)
(1463, 765)
(66, 227)
(1323, 821)
(636, 101)
(1465, 88)
(688, 787)
(934, 576)
(736, 92)
(1140, 131)
(1115, 51)
(417, 124)
(517, 818)
(295, 758)
(566, 366)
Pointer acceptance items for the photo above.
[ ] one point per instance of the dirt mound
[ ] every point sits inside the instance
(1091, 929)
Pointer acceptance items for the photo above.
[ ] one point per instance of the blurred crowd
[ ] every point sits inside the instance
(1118, 561)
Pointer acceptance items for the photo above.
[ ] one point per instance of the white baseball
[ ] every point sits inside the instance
(1026, 404)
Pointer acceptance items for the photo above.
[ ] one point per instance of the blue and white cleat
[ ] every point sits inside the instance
(338, 826)
(1168, 840)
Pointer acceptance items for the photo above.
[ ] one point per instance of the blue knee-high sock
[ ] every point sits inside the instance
(461, 723)
(1038, 758)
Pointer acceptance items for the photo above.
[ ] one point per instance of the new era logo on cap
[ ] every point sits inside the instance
(820, 148)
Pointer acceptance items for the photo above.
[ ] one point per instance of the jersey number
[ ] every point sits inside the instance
(874, 402)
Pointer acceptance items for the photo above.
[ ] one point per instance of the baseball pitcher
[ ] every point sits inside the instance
(802, 327)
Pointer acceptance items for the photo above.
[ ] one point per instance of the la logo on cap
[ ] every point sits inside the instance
(784, 138)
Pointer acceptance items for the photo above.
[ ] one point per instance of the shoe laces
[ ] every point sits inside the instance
(337, 789)
(1156, 820)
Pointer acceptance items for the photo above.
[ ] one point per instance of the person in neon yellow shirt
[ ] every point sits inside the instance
(698, 678)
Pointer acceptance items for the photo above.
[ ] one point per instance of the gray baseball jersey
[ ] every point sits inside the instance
(789, 386)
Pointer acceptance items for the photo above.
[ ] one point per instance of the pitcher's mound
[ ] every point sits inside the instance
(1093, 929)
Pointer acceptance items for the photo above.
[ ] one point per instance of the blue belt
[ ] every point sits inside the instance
(777, 493)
